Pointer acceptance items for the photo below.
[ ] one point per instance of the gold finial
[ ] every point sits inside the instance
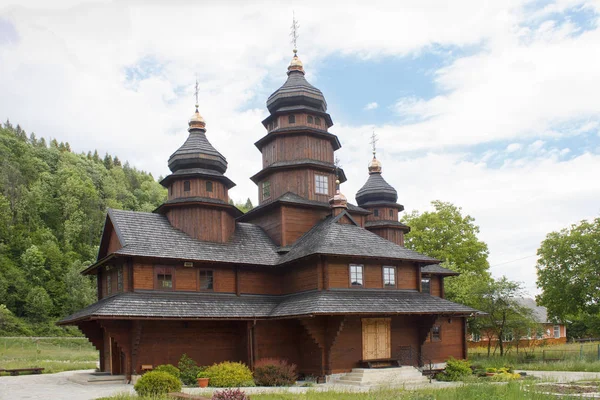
(375, 164)
(196, 120)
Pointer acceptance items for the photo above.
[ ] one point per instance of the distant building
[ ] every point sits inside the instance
(547, 332)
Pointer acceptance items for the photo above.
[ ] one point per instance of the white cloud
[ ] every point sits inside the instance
(371, 106)
(511, 148)
(526, 77)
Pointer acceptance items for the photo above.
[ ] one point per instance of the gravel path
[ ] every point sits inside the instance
(55, 387)
(563, 376)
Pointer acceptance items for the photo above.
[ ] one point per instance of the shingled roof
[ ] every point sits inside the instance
(331, 237)
(376, 189)
(296, 91)
(437, 269)
(190, 305)
(197, 152)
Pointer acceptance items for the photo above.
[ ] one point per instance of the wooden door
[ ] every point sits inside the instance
(376, 338)
(115, 358)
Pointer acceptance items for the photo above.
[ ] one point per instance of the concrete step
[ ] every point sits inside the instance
(106, 379)
(366, 377)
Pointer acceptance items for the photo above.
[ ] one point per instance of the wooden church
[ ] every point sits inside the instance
(305, 276)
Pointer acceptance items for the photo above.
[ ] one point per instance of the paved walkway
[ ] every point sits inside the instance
(563, 376)
(55, 387)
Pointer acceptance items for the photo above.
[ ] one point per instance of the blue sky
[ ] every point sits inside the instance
(492, 106)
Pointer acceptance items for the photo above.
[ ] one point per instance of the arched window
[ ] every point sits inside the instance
(186, 186)
(317, 121)
(310, 119)
(209, 186)
(292, 119)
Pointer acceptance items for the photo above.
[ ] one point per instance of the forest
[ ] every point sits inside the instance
(52, 208)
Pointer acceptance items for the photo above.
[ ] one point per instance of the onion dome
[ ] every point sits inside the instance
(197, 152)
(338, 200)
(376, 189)
(296, 90)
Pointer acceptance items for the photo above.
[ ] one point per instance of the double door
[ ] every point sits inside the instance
(376, 338)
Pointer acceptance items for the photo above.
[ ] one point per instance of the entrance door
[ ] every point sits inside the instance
(376, 338)
(115, 358)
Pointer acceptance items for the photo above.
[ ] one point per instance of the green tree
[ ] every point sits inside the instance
(38, 305)
(451, 238)
(32, 262)
(567, 269)
(80, 289)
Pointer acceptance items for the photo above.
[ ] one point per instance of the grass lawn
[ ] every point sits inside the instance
(487, 391)
(53, 354)
(566, 357)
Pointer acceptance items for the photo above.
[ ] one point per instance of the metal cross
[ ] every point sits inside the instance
(196, 92)
(294, 33)
(374, 141)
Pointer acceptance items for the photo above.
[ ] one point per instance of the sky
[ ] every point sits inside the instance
(491, 105)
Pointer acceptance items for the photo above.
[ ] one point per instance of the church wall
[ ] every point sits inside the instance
(114, 244)
(394, 235)
(203, 223)
(259, 281)
(300, 278)
(290, 147)
(297, 221)
(301, 121)
(383, 214)
(198, 189)
(271, 223)
(453, 339)
(436, 287)
(408, 276)
(339, 274)
(299, 181)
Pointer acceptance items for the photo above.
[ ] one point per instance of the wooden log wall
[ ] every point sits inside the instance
(290, 147)
(453, 337)
(299, 181)
(198, 189)
(301, 120)
(383, 214)
(394, 235)
(296, 221)
(339, 274)
(203, 223)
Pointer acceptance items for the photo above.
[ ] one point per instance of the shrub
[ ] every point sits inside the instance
(229, 374)
(157, 383)
(169, 369)
(491, 370)
(188, 370)
(456, 370)
(230, 394)
(274, 372)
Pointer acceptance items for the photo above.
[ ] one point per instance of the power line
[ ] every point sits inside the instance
(511, 261)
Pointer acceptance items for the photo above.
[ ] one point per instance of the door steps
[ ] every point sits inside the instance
(99, 379)
(368, 377)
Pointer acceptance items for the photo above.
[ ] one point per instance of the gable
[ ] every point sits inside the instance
(110, 241)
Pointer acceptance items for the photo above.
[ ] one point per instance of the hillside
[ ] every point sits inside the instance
(52, 206)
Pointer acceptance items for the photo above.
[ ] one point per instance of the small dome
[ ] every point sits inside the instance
(196, 120)
(375, 166)
(338, 200)
(296, 64)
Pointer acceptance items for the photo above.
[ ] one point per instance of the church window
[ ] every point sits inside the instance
(317, 121)
(266, 189)
(292, 119)
(389, 276)
(120, 279)
(209, 186)
(426, 285)
(376, 212)
(164, 278)
(436, 333)
(108, 284)
(356, 275)
(392, 213)
(321, 184)
(310, 119)
(206, 280)
(186, 186)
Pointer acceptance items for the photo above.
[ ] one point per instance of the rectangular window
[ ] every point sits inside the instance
(426, 285)
(120, 279)
(436, 333)
(164, 278)
(321, 184)
(356, 275)
(186, 186)
(108, 283)
(292, 119)
(317, 121)
(389, 276)
(556, 331)
(476, 337)
(266, 189)
(209, 186)
(376, 212)
(392, 213)
(206, 280)
(309, 119)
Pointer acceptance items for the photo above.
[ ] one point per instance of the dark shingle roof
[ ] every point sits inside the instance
(151, 235)
(376, 189)
(375, 224)
(306, 162)
(540, 313)
(331, 237)
(191, 305)
(296, 91)
(437, 269)
(198, 172)
(197, 152)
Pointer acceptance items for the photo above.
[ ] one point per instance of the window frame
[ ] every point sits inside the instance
(428, 279)
(393, 269)
(391, 213)
(556, 328)
(266, 186)
(120, 279)
(209, 186)
(436, 337)
(108, 282)
(362, 275)
(376, 212)
(291, 119)
(212, 280)
(164, 270)
(317, 121)
(187, 186)
(324, 184)
(310, 120)
(476, 337)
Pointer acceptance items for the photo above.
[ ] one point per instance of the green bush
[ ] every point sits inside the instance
(188, 370)
(274, 372)
(491, 370)
(157, 383)
(456, 370)
(229, 374)
(169, 369)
